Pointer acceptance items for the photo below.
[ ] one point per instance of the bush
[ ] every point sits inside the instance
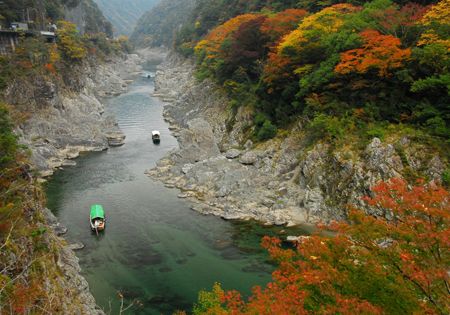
(267, 131)
(324, 126)
(446, 177)
(8, 140)
(376, 131)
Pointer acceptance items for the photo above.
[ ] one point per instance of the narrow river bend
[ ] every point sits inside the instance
(155, 249)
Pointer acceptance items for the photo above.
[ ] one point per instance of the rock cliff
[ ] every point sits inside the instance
(64, 116)
(66, 119)
(88, 17)
(283, 181)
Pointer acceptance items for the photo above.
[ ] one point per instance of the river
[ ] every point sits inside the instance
(155, 250)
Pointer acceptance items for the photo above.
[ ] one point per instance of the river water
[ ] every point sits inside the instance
(155, 250)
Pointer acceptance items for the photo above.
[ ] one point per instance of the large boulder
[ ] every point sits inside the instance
(249, 158)
(197, 142)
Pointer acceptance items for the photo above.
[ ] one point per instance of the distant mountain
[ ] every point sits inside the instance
(159, 25)
(124, 14)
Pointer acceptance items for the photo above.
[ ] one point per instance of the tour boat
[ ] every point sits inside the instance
(97, 218)
(156, 136)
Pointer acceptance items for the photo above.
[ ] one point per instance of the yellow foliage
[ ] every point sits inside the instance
(54, 55)
(70, 41)
(329, 20)
(439, 13)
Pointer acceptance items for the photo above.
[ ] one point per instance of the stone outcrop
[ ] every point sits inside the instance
(68, 119)
(281, 181)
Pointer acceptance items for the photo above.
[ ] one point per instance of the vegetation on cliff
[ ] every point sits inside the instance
(28, 253)
(346, 68)
(370, 266)
(34, 56)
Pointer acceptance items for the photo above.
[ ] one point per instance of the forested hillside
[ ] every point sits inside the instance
(158, 26)
(346, 68)
(124, 15)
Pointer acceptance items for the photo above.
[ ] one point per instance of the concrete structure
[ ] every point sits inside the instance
(8, 41)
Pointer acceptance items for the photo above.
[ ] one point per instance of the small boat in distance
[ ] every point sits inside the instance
(97, 218)
(156, 136)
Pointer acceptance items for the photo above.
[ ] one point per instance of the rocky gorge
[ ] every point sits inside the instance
(286, 180)
(62, 123)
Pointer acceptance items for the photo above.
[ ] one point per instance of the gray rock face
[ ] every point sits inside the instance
(197, 141)
(65, 122)
(281, 181)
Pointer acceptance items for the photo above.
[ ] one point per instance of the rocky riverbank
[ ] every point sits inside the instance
(282, 181)
(66, 121)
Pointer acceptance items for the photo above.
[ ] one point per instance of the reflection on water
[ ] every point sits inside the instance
(154, 249)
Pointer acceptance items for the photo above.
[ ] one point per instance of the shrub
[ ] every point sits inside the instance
(446, 177)
(376, 131)
(8, 140)
(324, 126)
(267, 131)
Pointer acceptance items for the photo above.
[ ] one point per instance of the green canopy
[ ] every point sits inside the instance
(97, 212)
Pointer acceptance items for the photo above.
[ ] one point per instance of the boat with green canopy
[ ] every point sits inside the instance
(97, 218)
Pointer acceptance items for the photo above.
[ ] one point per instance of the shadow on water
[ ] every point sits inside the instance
(154, 249)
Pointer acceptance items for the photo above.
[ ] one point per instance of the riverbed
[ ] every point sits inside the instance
(155, 251)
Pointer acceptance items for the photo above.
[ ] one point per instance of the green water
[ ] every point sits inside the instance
(155, 249)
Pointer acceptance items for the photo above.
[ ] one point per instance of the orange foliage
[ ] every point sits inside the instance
(381, 52)
(407, 257)
(213, 41)
(50, 68)
(282, 23)
(277, 68)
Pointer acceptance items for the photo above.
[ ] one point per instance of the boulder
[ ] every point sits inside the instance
(249, 158)
(232, 154)
(115, 139)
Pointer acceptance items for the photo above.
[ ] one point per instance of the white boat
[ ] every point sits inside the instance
(156, 136)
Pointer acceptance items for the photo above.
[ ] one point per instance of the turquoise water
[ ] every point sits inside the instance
(155, 250)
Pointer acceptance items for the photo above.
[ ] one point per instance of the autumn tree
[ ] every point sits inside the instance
(391, 19)
(433, 51)
(379, 52)
(70, 42)
(277, 25)
(211, 44)
(372, 265)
